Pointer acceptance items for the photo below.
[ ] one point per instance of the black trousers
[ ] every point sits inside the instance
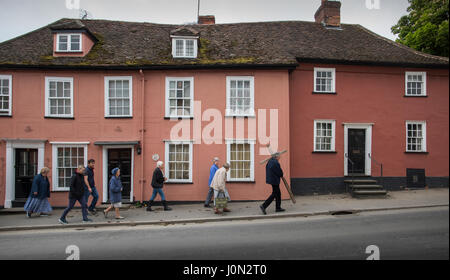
(276, 194)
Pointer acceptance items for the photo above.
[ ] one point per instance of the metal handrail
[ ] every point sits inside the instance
(381, 167)
(353, 165)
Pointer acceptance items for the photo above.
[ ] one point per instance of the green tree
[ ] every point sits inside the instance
(425, 28)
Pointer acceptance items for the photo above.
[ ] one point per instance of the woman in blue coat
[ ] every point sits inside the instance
(115, 194)
(40, 192)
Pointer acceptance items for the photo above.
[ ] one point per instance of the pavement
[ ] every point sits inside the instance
(15, 219)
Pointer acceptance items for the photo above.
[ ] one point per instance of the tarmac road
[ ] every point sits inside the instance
(401, 234)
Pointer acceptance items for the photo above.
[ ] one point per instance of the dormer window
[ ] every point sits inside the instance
(68, 42)
(184, 47)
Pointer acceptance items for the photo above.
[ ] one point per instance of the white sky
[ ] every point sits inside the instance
(18, 17)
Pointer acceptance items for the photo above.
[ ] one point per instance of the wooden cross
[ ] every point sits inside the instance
(291, 195)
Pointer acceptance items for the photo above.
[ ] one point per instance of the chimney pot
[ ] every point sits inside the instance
(206, 20)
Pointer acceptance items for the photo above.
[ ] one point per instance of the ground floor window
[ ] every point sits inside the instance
(240, 154)
(416, 136)
(66, 158)
(179, 162)
(324, 135)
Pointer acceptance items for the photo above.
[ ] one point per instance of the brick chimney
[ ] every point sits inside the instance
(329, 13)
(206, 20)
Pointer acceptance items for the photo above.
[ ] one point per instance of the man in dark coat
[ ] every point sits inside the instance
(157, 184)
(76, 193)
(273, 175)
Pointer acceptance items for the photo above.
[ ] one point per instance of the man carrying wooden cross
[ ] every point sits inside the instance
(273, 175)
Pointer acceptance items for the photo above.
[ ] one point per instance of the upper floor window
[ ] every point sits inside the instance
(68, 42)
(416, 132)
(240, 96)
(324, 80)
(58, 97)
(118, 96)
(5, 95)
(179, 97)
(184, 47)
(416, 83)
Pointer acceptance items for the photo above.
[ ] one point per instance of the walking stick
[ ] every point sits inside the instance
(289, 190)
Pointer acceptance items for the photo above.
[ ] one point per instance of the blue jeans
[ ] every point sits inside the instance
(156, 191)
(94, 197)
(209, 196)
(72, 202)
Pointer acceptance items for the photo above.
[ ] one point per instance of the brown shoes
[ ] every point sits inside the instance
(226, 210)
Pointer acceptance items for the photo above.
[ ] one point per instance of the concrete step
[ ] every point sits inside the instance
(369, 192)
(367, 187)
(360, 181)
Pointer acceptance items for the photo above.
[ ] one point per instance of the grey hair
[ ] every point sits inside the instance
(215, 159)
(226, 165)
(159, 164)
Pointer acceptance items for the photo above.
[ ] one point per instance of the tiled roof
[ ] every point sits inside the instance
(287, 43)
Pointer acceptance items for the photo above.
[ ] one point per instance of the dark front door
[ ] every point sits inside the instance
(26, 169)
(357, 151)
(121, 158)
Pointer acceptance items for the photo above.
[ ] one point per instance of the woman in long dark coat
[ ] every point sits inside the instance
(40, 192)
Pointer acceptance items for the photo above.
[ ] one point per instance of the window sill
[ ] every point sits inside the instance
(53, 117)
(179, 118)
(240, 116)
(240, 182)
(178, 183)
(68, 52)
(330, 93)
(423, 153)
(5, 116)
(118, 117)
(324, 152)
(416, 96)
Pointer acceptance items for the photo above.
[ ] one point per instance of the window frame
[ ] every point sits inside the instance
(333, 136)
(130, 95)
(69, 42)
(228, 111)
(167, 100)
(55, 174)
(333, 79)
(252, 159)
(184, 39)
(424, 136)
(166, 164)
(47, 96)
(9, 112)
(424, 82)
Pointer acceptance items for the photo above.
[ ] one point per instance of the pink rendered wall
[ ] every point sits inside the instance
(90, 125)
(369, 95)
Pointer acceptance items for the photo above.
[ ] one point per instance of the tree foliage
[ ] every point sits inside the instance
(425, 28)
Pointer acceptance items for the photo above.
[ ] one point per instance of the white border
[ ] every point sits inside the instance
(69, 41)
(252, 158)
(424, 79)
(55, 147)
(11, 145)
(166, 161)
(228, 112)
(8, 77)
(184, 38)
(424, 137)
(333, 76)
(167, 103)
(47, 95)
(368, 128)
(333, 135)
(105, 170)
(130, 90)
